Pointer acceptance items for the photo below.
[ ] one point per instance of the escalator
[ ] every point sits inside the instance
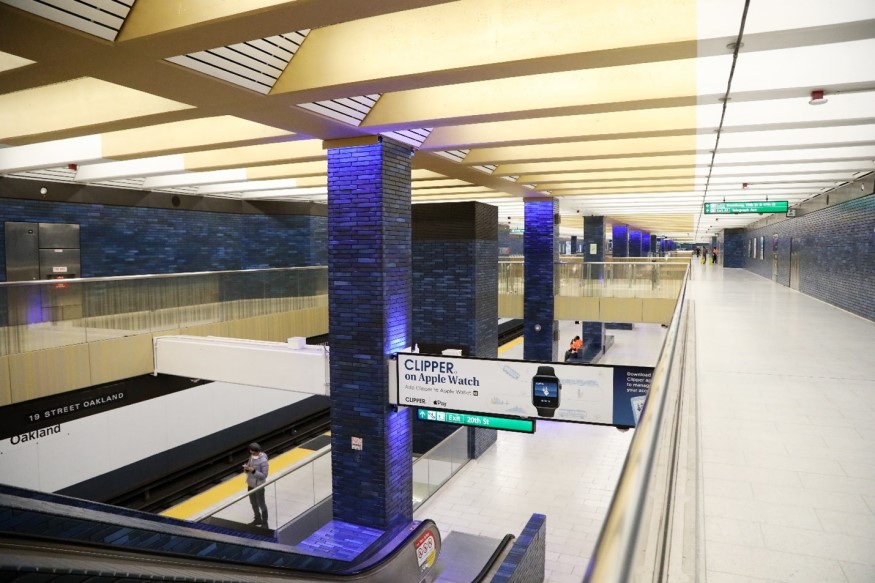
(47, 537)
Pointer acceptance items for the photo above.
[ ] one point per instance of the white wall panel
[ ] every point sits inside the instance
(94, 445)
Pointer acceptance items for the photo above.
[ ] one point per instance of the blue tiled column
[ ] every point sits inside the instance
(455, 290)
(369, 306)
(621, 240)
(645, 243)
(634, 243)
(593, 333)
(541, 254)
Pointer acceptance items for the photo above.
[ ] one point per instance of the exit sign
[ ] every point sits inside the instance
(474, 420)
(757, 206)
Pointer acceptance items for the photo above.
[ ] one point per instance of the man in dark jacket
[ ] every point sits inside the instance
(256, 473)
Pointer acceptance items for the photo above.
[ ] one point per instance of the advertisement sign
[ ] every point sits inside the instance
(608, 395)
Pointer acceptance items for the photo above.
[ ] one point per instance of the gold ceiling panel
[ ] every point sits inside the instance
(571, 150)
(150, 17)
(552, 129)
(186, 136)
(659, 173)
(262, 154)
(542, 95)
(622, 190)
(9, 62)
(572, 166)
(77, 105)
(294, 170)
(470, 37)
(616, 184)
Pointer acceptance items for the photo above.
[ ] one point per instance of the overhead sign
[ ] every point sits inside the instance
(757, 206)
(608, 395)
(487, 421)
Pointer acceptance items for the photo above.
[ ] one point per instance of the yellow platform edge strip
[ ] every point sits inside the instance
(231, 487)
(512, 344)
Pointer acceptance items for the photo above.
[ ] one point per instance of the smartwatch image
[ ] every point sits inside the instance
(545, 391)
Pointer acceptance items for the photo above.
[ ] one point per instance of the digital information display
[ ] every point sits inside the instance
(505, 423)
(757, 206)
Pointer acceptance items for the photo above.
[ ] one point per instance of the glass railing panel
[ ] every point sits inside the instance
(433, 469)
(48, 314)
(287, 494)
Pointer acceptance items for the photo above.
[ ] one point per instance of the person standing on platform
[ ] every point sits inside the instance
(714, 255)
(256, 468)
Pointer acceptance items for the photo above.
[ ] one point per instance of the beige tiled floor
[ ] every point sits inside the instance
(787, 401)
(785, 386)
(566, 471)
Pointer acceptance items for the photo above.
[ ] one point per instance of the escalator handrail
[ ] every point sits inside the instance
(335, 567)
(493, 558)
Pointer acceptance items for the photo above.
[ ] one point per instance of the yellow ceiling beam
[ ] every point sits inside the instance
(471, 189)
(9, 62)
(542, 95)
(577, 177)
(263, 154)
(677, 161)
(622, 190)
(601, 185)
(423, 174)
(294, 170)
(183, 26)
(574, 127)
(571, 150)
(445, 183)
(81, 103)
(472, 40)
(186, 136)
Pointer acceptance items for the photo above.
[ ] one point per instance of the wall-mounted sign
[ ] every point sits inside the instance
(487, 421)
(517, 231)
(593, 248)
(756, 206)
(607, 395)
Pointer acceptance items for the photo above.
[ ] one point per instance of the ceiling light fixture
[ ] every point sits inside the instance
(817, 98)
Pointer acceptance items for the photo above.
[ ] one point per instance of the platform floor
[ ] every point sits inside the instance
(786, 388)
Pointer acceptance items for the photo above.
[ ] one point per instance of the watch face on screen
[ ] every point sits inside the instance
(545, 392)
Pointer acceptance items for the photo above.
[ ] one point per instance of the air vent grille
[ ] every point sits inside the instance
(351, 110)
(255, 64)
(101, 18)
(413, 137)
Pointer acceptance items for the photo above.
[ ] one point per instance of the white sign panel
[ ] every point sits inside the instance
(566, 392)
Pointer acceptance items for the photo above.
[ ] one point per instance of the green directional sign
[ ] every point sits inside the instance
(756, 206)
(474, 420)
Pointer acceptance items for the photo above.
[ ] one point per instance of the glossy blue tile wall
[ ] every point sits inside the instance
(836, 247)
(369, 304)
(455, 291)
(541, 254)
(527, 558)
(634, 243)
(620, 236)
(124, 240)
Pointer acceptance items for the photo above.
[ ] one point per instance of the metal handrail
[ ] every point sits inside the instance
(154, 276)
(613, 556)
(270, 480)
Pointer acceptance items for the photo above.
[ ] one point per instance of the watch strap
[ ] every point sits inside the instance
(546, 370)
(545, 412)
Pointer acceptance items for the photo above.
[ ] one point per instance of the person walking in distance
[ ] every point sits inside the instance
(714, 255)
(256, 468)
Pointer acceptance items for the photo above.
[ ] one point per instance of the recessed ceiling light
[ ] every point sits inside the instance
(817, 98)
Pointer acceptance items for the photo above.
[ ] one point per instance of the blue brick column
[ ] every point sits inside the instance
(593, 333)
(369, 306)
(455, 291)
(645, 243)
(621, 240)
(541, 254)
(634, 243)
